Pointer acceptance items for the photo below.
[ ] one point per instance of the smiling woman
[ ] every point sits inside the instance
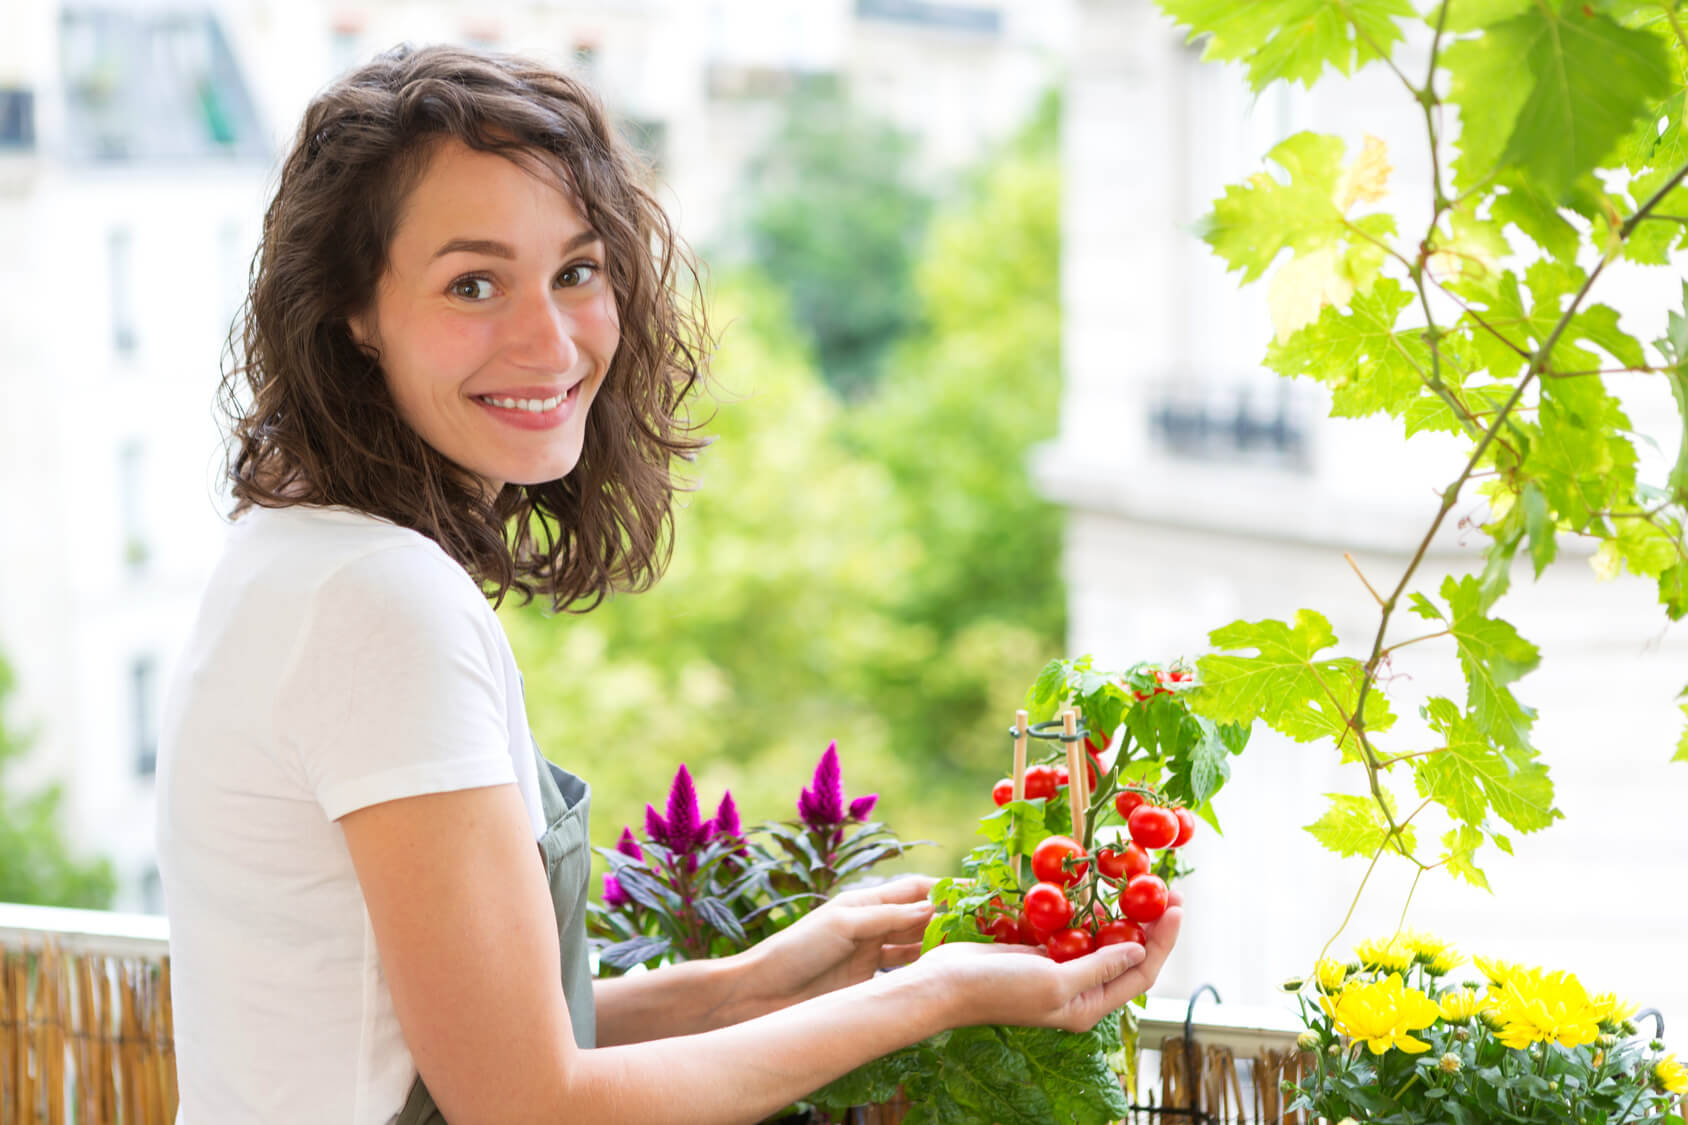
(463, 371)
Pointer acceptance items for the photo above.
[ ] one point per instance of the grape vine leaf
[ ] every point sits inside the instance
(1469, 774)
(1356, 826)
(1369, 367)
(1492, 655)
(1284, 684)
(1253, 222)
(1681, 754)
(1673, 345)
(1550, 90)
(1292, 39)
(1538, 525)
(1459, 849)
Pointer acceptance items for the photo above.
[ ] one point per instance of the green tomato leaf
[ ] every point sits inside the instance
(1284, 684)
(1551, 91)
(1355, 826)
(1293, 40)
(874, 1082)
(1072, 1071)
(1473, 773)
(1046, 693)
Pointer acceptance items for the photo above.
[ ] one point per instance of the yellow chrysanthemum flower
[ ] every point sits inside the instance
(1612, 1010)
(1498, 971)
(1671, 1075)
(1384, 955)
(1383, 1014)
(1461, 1005)
(1330, 974)
(1432, 952)
(1536, 1006)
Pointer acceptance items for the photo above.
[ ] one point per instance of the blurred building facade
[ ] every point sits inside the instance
(1201, 489)
(138, 140)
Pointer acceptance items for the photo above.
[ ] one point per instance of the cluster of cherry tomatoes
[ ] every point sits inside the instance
(1048, 916)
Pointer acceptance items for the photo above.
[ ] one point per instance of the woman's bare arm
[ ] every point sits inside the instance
(462, 916)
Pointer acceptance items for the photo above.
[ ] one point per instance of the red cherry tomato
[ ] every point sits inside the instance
(1003, 791)
(1186, 827)
(1144, 898)
(1049, 861)
(1047, 908)
(1136, 862)
(1118, 932)
(1061, 777)
(1094, 747)
(1004, 929)
(1068, 945)
(1040, 782)
(1128, 801)
(1152, 826)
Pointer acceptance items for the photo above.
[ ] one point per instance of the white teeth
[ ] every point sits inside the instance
(532, 405)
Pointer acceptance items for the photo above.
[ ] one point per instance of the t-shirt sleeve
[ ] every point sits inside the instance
(395, 687)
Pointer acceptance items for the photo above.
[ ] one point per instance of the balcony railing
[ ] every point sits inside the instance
(86, 1035)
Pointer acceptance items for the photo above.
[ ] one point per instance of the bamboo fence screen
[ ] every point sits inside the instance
(85, 1039)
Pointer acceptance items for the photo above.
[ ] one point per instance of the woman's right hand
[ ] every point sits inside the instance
(1019, 985)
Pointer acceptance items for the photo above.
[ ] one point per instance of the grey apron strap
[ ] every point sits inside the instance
(566, 802)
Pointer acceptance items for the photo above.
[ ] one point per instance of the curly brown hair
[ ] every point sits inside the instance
(318, 425)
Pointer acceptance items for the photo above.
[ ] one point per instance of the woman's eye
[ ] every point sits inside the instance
(577, 275)
(472, 288)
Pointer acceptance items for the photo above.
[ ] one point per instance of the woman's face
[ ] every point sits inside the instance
(495, 319)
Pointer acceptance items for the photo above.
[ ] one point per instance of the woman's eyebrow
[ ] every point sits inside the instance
(494, 248)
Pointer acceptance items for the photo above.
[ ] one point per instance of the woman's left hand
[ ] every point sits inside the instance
(842, 942)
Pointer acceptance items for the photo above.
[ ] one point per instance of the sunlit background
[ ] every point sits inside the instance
(981, 400)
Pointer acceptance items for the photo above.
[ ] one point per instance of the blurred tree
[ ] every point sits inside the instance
(36, 866)
(955, 422)
(834, 216)
(880, 573)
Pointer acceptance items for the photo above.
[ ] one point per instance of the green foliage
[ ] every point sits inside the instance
(1006, 1075)
(1570, 154)
(36, 864)
(835, 214)
(878, 572)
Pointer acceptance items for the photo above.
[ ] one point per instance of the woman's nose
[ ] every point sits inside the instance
(544, 335)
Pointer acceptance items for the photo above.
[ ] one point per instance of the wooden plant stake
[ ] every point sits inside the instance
(1076, 775)
(1020, 733)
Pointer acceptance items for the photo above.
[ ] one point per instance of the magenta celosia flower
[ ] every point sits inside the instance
(726, 820)
(614, 896)
(821, 805)
(683, 829)
(627, 845)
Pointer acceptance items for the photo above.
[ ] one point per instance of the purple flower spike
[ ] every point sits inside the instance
(685, 821)
(727, 818)
(614, 896)
(628, 846)
(862, 806)
(822, 801)
(656, 828)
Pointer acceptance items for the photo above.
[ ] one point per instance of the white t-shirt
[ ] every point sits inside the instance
(337, 661)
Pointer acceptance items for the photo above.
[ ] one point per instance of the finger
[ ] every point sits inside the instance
(1142, 977)
(894, 923)
(907, 888)
(1098, 969)
(896, 956)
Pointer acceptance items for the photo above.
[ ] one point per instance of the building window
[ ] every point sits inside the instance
(17, 119)
(1232, 421)
(120, 255)
(143, 704)
(131, 500)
